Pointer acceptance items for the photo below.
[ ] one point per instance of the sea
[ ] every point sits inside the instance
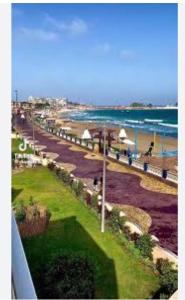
(162, 121)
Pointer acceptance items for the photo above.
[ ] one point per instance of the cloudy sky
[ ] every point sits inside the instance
(95, 53)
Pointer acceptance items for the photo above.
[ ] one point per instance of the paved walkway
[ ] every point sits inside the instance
(123, 188)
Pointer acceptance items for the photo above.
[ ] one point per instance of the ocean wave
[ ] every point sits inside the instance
(134, 121)
(153, 120)
(168, 125)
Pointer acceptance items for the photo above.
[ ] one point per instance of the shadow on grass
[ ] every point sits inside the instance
(69, 235)
(15, 193)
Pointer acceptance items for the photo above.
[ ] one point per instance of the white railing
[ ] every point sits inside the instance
(23, 287)
(135, 162)
(139, 165)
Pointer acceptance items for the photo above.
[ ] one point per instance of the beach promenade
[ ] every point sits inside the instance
(121, 187)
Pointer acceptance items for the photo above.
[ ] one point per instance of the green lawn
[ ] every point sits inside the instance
(73, 226)
(15, 147)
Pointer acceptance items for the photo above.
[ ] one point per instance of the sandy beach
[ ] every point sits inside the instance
(144, 139)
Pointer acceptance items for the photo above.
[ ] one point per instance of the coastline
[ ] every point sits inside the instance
(143, 140)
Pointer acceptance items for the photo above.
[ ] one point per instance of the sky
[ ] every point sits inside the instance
(103, 54)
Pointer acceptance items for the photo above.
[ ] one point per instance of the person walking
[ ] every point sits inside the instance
(95, 184)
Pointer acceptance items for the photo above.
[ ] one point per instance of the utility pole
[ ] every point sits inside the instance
(16, 96)
(15, 115)
(104, 180)
(33, 130)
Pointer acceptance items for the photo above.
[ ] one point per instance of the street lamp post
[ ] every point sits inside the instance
(16, 96)
(122, 136)
(16, 100)
(104, 181)
(33, 130)
(87, 136)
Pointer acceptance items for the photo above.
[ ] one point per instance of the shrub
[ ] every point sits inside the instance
(31, 201)
(134, 236)
(163, 265)
(33, 212)
(78, 187)
(13, 164)
(115, 221)
(48, 216)
(94, 201)
(145, 244)
(127, 232)
(51, 166)
(64, 176)
(168, 278)
(20, 213)
(69, 276)
(58, 172)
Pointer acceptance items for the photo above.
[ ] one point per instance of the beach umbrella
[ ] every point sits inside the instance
(86, 135)
(22, 116)
(122, 134)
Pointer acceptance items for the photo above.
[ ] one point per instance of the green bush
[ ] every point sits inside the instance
(145, 244)
(163, 265)
(69, 276)
(31, 201)
(115, 221)
(78, 187)
(168, 278)
(51, 166)
(13, 164)
(134, 236)
(94, 201)
(58, 171)
(64, 176)
(20, 213)
(127, 233)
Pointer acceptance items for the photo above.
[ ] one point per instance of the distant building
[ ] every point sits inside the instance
(54, 102)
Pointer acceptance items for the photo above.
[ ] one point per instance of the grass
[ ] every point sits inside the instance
(73, 226)
(15, 147)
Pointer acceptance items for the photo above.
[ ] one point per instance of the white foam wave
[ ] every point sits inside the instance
(134, 121)
(153, 120)
(168, 125)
